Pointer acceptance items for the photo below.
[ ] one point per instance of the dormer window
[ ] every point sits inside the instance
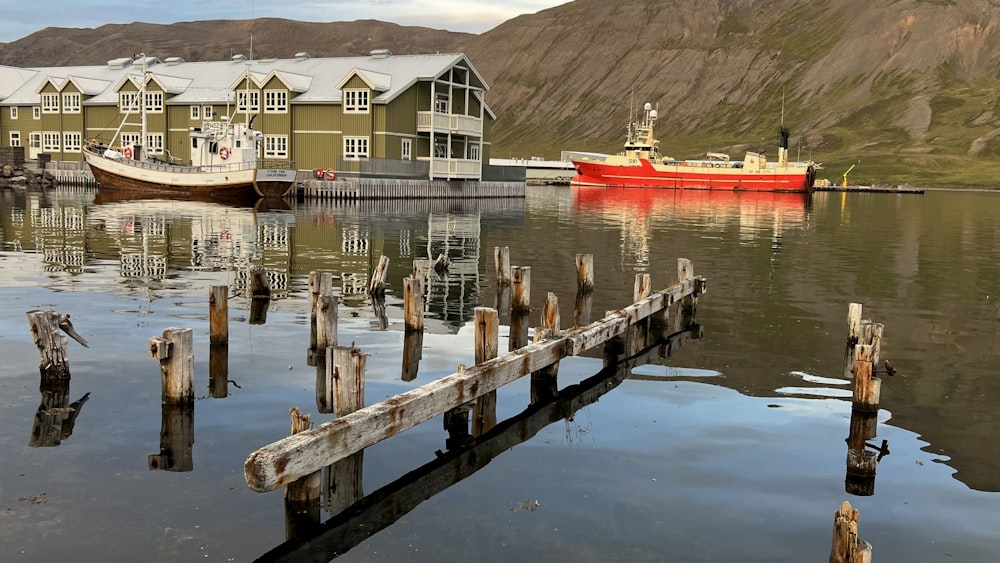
(128, 101)
(241, 101)
(71, 103)
(50, 103)
(356, 101)
(275, 101)
(154, 102)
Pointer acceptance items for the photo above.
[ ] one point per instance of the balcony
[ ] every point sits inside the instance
(455, 168)
(431, 121)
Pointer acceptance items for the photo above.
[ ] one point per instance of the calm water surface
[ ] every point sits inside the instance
(731, 449)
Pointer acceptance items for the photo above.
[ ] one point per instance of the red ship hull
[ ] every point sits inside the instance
(693, 175)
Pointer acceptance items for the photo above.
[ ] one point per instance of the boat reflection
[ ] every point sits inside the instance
(709, 204)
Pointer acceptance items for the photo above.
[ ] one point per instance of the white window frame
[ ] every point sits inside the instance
(195, 113)
(474, 151)
(13, 112)
(206, 112)
(356, 147)
(357, 100)
(128, 101)
(72, 142)
(35, 140)
(406, 149)
(15, 138)
(50, 103)
(50, 141)
(276, 101)
(36, 112)
(129, 139)
(241, 101)
(71, 102)
(442, 104)
(154, 143)
(154, 102)
(275, 146)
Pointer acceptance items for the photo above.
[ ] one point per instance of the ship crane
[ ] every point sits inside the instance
(844, 185)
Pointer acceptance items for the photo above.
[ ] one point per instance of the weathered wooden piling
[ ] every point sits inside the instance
(413, 303)
(521, 292)
(545, 382)
(853, 337)
(585, 273)
(484, 414)
(55, 418)
(377, 284)
(320, 283)
(847, 546)
(456, 423)
(260, 286)
(519, 324)
(286, 460)
(635, 338)
(175, 351)
(302, 496)
(45, 331)
(326, 321)
(413, 343)
(502, 260)
(218, 314)
(343, 480)
(867, 387)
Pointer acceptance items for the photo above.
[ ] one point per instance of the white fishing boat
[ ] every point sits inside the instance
(224, 161)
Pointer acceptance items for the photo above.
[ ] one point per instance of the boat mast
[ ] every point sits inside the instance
(142, 104)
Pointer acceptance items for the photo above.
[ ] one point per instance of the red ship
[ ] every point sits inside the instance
(641, 165)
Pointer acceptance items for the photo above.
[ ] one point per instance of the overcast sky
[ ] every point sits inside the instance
(19, 18)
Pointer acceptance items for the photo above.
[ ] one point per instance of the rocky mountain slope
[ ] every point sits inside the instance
(908, 88)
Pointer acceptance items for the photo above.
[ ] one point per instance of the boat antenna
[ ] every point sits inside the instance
(782, 106)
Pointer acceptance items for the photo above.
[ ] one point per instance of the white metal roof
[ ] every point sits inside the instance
(317, 80)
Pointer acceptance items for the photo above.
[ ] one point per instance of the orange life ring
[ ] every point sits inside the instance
(127, 151)
(224, 153)
(331, 174)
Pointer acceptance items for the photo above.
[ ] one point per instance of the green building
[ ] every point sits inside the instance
(418, 116)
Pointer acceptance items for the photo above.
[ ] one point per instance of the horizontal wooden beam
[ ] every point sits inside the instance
(288, 459)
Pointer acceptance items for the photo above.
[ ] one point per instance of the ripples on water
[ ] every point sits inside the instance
(750, 419)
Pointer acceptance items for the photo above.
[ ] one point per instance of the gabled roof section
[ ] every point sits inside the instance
(295, 82)
(12, 78)
(169, 84)
(257, 79)
(133, 78)
(377, 81)
(86, 86)
(55, 81)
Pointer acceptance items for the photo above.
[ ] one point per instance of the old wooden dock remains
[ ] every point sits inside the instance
(303, 453)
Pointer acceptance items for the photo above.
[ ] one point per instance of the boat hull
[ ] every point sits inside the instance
(694, 175)
(228, 182)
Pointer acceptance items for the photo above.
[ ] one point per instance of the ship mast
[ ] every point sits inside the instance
(142, 104)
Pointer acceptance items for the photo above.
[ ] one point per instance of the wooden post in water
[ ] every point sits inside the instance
(685, 272)
(175, 352)
(302, 496)
(413, 303)
(260, 287)
(518, 336)
(545, 382)
(377, 285)
(867, 388)
(56, 416)
(635, 337)
(343, 482)
(487, 342)
(847, 546)
(413, 343)
(45, 327)
(853, 337)
(502, 259)
(218, 341)
(521, 298)
(456, 423)
(320, 283)
(585, 273)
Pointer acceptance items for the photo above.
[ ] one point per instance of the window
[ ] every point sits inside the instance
(50, 103)
(36, 112)
(13, 112)
(206, 112)
(129, 139)
(355, 147)
(241, 101)
(276, 101)
(50, 141)
(154, 102)
(441, 103)
(15, 138)
(71, 103)
(35, 140)
(128, 101)
(407, 149)
(154, 143)
(355, 101)
(72, 142)
(473, 152)
(275, 146)
(195, 113)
